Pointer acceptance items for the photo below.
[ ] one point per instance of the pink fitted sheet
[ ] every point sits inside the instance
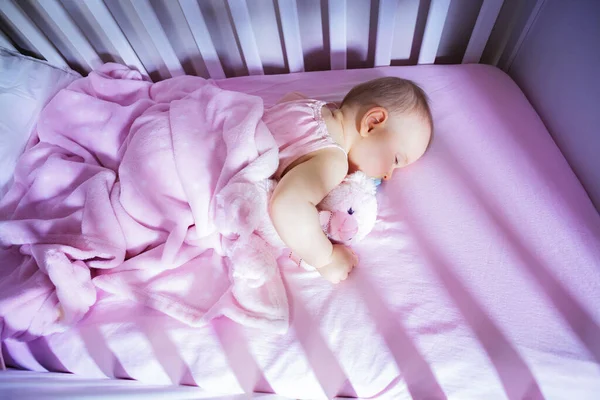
(480, 280)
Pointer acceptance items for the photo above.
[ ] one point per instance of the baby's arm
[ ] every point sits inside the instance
(293, 205)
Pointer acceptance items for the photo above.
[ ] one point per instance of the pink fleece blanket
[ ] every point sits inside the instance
(147, 191)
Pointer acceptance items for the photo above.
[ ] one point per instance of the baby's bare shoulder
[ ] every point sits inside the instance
(334, 128)
(326, 113)
(333, 160)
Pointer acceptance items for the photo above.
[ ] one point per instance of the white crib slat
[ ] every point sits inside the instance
(386, 19)
(195, 20)
(337, 33)
(290, 25)
(5, 42)
(158, 36)
(436, 19)
(30, 32)
(483, 28)
(245, 34)
(111, 29)
(63, 22)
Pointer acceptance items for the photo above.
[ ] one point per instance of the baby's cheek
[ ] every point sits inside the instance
(376, 168)
(372, 159)
(381, 162)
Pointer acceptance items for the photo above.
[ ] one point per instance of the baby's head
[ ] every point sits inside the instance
(388, 123)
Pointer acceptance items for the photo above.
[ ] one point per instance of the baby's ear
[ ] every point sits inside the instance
(374, 117)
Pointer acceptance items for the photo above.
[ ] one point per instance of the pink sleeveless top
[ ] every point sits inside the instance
(299, 129)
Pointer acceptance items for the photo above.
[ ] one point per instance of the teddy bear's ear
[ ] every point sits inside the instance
(362, 182)
(356, 177)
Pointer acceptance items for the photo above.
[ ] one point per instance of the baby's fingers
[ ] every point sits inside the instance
(341, 277)
(355, 259)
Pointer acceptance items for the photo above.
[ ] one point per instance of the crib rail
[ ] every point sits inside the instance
(221, 38)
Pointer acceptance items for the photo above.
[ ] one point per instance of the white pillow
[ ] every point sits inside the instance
(26, 86)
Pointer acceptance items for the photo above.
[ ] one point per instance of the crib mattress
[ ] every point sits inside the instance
(480, 280)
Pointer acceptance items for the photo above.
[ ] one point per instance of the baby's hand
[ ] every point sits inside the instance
(342, 261)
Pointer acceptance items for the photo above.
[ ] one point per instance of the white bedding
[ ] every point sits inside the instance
(26, 86)
(480, 281)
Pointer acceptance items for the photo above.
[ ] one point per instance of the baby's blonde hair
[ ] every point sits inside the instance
(396, 95)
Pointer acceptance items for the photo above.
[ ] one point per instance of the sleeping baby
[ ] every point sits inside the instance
(381, 125)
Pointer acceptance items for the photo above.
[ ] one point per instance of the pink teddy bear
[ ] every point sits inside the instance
(349, 212)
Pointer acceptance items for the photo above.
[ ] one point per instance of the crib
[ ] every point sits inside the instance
(481, 278)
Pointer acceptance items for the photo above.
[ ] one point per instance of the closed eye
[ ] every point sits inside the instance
(396, 161)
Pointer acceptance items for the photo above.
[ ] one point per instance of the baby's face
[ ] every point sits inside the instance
(395, 143)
